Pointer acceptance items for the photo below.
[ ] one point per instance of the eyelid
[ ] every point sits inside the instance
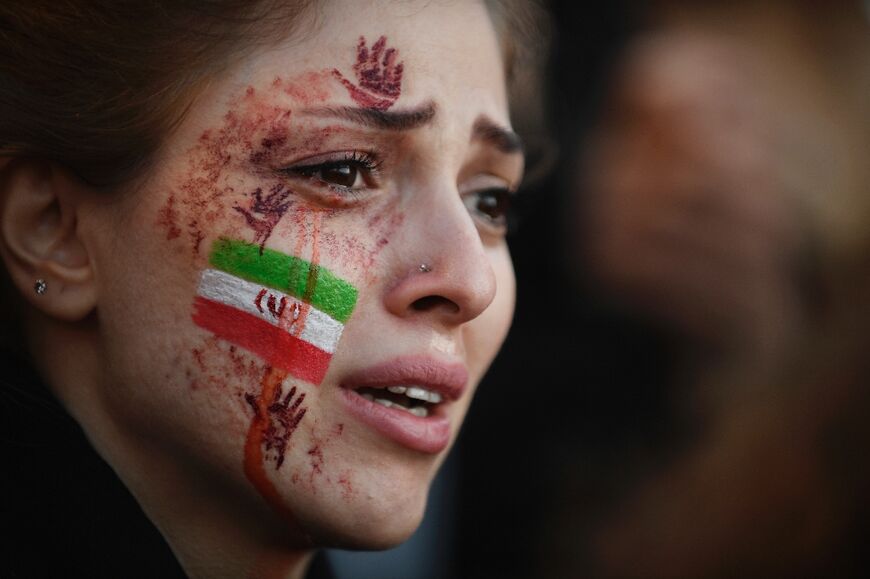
(368, 159)
(485, 182)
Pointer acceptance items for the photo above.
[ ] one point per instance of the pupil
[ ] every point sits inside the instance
(492, 204)
(343, 175)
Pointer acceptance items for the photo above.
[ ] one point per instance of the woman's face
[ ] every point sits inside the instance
(296, 307)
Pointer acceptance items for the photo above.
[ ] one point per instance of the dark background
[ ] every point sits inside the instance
(574, 408)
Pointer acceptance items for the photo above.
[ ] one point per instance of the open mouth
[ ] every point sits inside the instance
(407, 399)
(413, 399)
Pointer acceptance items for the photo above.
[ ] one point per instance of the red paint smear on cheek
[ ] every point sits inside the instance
(167, 218)
(359, 252)
(316, 454)
(221, 368)
(223, 191)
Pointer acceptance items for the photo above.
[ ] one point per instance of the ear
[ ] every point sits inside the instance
(39, 238)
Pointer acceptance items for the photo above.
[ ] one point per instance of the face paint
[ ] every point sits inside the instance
(284, 415)
(378, 76)
(265, 213)
(298, 327)
(258, 435)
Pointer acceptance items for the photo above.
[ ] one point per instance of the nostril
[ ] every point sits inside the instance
(429, 303)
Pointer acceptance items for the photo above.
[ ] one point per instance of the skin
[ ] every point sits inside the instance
(167, 403)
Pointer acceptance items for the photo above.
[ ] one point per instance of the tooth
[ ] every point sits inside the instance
(368, 397)
(384, 402)
(397, 389)
(434, 397)
(419, 411)
(417, 393)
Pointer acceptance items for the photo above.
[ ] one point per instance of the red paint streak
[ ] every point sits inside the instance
(379, 77)
(254, 464)
(344, 480)
(244, 366)
(316, 454)
(167, 217)
(270, 209)
(197, 355)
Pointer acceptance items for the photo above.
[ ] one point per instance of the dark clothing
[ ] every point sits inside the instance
(63, 511)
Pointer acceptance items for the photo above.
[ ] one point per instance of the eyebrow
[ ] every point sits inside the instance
(505, 140)
(400, 120)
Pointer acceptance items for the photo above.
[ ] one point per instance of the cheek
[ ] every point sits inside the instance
(353, 241)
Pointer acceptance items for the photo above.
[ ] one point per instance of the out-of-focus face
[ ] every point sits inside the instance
(298, 304)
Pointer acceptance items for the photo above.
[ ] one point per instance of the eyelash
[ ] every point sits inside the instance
(366, 163)
(368, 166)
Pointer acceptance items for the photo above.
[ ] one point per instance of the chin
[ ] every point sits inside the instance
(373, 520)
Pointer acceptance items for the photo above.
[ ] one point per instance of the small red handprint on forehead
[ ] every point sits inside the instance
(378, 75)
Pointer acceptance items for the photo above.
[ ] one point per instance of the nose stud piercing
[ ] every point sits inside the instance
(425, 268)
(40, 286)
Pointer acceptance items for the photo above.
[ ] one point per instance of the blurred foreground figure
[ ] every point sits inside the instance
(729, 204)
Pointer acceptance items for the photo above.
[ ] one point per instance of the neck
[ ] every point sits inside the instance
(215, 529)
(217, 526)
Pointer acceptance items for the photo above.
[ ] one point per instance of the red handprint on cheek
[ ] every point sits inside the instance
(282, 419)
(271, 209)
(377, 73)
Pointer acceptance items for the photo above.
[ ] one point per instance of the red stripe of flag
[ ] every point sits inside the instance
(271, 343)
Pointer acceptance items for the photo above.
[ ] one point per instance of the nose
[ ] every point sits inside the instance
(442, 271)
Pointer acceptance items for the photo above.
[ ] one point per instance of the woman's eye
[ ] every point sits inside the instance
(351, 173)
(343, 175)
(490, 205)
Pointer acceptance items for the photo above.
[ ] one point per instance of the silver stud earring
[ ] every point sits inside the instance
(425, 268)
(40, 286)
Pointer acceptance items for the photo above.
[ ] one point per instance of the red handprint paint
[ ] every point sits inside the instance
(379, 77)
(271, 209)
(284, 415)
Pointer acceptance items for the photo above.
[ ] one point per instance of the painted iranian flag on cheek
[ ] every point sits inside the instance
(285, 310)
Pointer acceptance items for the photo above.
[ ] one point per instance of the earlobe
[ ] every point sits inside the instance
(39, 239)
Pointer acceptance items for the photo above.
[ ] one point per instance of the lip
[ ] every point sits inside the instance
(429, 435)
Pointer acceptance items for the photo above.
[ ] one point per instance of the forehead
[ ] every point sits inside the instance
(448, 50)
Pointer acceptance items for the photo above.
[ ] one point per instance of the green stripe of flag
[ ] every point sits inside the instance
(286, 273)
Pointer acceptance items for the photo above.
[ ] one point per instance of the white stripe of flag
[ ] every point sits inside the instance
(320, 329)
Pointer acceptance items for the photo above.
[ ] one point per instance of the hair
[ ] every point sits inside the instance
(96, 85)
